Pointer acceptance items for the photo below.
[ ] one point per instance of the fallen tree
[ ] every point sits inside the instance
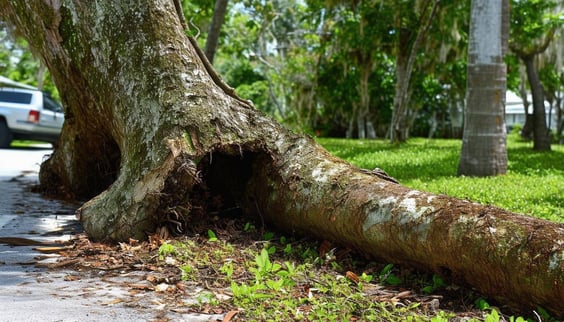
(154, 139)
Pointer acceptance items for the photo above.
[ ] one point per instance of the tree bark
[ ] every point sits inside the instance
(151, 139)
(484, 149)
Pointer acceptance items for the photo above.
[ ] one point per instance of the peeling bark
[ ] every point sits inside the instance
(150, 139)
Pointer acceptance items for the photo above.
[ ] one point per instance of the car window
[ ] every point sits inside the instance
(15, 97)
(50, 104)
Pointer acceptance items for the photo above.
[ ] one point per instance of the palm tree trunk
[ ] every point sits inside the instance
(484, 151)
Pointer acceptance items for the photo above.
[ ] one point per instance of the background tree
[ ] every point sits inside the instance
(18, 63)
(484, 151)
(219, 12)
(411, 31)
(532, 29)
(291, 52)
(352, 52)
(551, 73)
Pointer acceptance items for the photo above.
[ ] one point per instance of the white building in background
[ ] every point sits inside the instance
(515, 112)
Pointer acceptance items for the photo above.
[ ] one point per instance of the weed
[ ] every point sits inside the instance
(211, 236)
(188, 272)
(166, 249)
(248, 227)
(388, 277)
(436, 283)
(493, 316)
(481, 304)
(227, 269)
(268, 235)
(442, 317)
(264, 266)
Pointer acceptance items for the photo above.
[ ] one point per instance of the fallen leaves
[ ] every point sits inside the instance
(352, 276)
(195, 277)
(230, 315)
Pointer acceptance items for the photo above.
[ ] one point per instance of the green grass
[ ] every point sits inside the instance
(533, 185)
(29, 144)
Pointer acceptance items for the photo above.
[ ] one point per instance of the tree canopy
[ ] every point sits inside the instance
(311, 63)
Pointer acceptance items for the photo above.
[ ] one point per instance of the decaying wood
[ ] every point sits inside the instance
(151, 140)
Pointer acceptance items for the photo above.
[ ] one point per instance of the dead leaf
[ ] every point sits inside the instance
(63, 263)
(71, 278)
(51, 249)
(353, 277)
(230, 315)
(161, 288)
(324, 248)
(180, 287)
(113, 302)
(402, 295)
(142, 286)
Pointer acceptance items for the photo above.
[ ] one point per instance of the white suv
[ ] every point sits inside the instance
(28, 114)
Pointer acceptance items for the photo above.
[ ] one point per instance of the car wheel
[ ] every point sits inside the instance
(5, 135)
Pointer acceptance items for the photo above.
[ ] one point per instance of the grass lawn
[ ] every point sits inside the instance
(534, 183)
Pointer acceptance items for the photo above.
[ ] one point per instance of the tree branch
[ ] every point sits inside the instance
(230, 91)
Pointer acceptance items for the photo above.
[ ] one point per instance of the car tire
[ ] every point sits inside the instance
(5, 135)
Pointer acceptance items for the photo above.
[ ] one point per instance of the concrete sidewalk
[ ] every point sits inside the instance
(29, 293)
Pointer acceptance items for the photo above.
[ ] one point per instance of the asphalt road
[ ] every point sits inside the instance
(30, 293)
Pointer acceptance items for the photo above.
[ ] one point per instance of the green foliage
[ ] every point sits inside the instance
(531, 21)
(492, 317)
(285, 280)
(249, 227)
(264, 266)
(437, 283)
(388, 277)
(166, 250)
(198, 13)
(211, 236)
(481, 304)
(188, 272)
(19, 64)
(518, 319)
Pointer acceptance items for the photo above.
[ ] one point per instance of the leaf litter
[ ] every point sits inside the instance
(198, 274)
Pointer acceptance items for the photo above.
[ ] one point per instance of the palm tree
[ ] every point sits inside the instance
(484, 151)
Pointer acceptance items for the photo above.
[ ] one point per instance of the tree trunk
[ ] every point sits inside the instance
(398, 129)
(484, 151)
(215, 28)
(541, 137)
(405, 61)
(527, 130)
(150, 138)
